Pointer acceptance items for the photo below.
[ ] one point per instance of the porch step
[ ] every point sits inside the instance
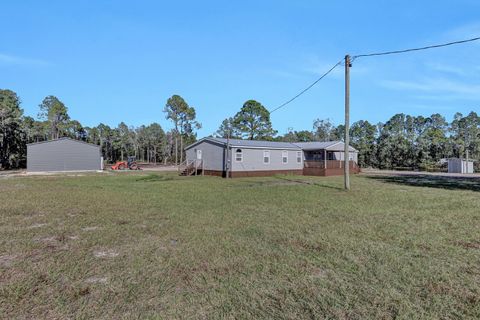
(190, 172)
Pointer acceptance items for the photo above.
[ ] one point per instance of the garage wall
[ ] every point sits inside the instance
(63, 155)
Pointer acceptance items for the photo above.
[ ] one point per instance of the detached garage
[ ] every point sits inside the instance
(64, 154)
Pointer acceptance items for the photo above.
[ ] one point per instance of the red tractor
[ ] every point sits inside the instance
(130, 164)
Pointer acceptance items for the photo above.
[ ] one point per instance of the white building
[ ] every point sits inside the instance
(457, 165)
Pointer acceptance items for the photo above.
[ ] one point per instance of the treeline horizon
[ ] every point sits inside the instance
(402, 142)
(150, 143)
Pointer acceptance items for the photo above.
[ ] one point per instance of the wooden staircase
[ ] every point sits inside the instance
(191, 168)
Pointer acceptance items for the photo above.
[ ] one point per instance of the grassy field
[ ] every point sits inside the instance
(162, 246)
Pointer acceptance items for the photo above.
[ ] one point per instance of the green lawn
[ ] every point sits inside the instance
(162, 246)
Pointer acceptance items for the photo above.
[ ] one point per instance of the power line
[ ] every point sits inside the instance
(416, 49)
(372, 55)
(307, 88)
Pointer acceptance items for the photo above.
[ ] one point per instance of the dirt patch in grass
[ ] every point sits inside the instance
(319, 273)
(7, 260)
(469, 245)
(100, 280)
(37, 225)
(107, 253)
(57, 240)
(72, 212)
(300, 244)
(122, 222)
(92, 228)
(33, 214)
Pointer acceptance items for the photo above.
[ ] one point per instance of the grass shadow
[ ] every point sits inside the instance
(307, 182)
(154, 177)
(430, 181)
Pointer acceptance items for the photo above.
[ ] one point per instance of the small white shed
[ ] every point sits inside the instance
(457, 165)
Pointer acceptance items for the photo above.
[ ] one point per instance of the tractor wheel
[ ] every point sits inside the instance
(134, 167)
(121, 167)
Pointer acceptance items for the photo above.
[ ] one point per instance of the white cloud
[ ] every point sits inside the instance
(283, 73)
(445, 68)
(317, 67)
(470, 30)
(314, 67)
(439, 85)
(6, 59)
(429, 107)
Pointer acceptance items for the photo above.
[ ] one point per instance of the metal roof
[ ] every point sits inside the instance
(463, 159)
(330, 145)
(256, 143)
(327, 145)
(63, 138)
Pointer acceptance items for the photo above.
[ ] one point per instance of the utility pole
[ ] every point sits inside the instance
(181, 148)
(346, 155)
(227, 170)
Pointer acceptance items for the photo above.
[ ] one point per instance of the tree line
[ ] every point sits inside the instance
(403, 142)
(148, 143)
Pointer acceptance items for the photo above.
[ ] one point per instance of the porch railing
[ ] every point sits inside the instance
(191, 167)
(329, 164)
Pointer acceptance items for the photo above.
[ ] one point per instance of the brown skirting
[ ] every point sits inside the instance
(215, 173)
(264, 173)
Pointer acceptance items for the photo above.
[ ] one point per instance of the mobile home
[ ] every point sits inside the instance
(247, 158)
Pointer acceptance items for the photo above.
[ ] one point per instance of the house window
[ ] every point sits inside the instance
(266, 157)
(299, 156)
(238, 155)
(284, 157)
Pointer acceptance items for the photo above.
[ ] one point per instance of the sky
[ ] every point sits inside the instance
(113, 61)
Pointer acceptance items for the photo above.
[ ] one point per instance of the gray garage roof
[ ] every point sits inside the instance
(330, 145)
(63, 138)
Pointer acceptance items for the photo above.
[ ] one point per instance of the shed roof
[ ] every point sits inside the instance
(330, 145)
(462, 159)
(61, 139)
